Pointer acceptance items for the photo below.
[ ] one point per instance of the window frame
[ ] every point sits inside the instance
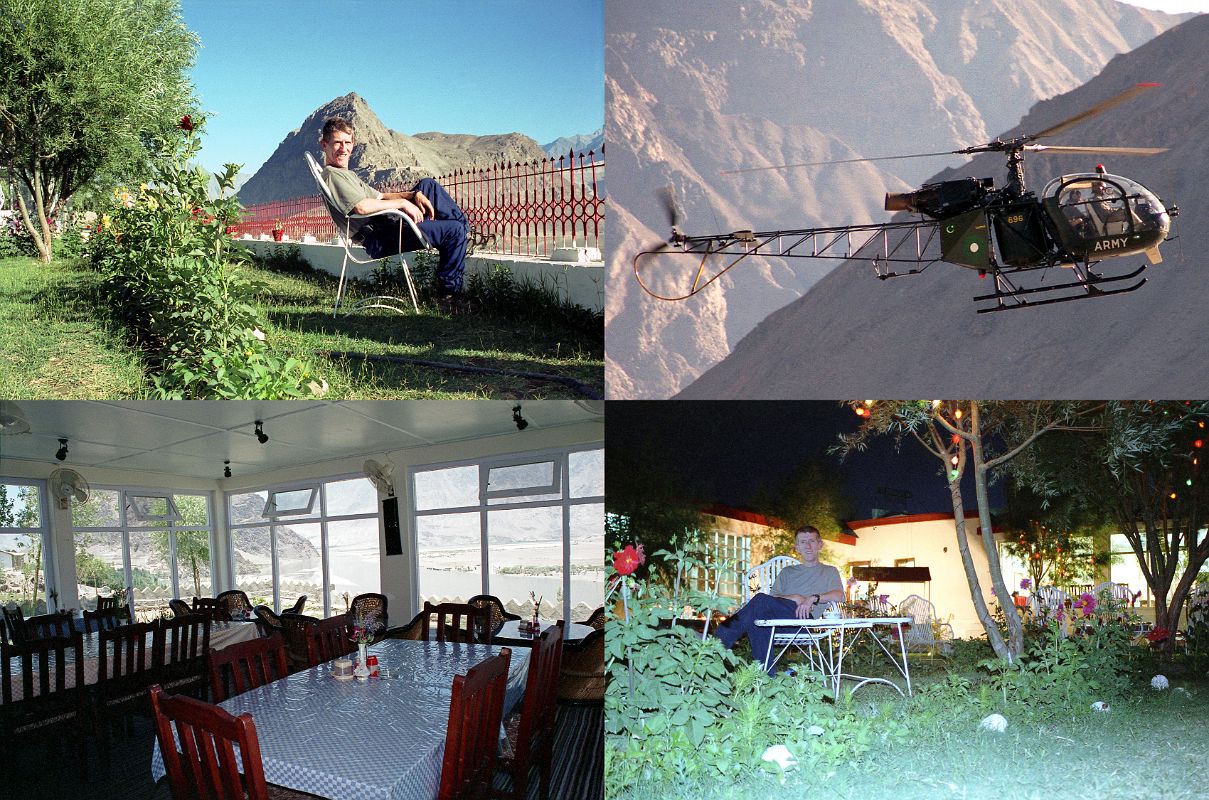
(49, 572)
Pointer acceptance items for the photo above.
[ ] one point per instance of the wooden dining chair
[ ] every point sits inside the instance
(105, 603)
(14, 619)
(457, 622)
(53, 700)
(497, 614)
(369, 611)
(105, 619)
(237, 603)
(126, 665)
(213, 607)
(249, 664)
(472, 737)
(531, 731)
(185, 644)
(47, 626)
(179, 607)
(328, 639)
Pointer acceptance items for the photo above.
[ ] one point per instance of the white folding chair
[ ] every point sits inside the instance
(345, 236)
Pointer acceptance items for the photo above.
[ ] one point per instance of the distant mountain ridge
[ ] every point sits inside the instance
(695, 88)
(381, 155)
(578, 143)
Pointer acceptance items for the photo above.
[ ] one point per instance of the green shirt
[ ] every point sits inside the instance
(347, 190)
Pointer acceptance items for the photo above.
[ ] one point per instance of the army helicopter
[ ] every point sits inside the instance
(1077, 221)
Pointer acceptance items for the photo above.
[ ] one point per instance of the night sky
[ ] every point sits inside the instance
(727, 451)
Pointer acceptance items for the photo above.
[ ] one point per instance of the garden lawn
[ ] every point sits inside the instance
(1150, 745)
(299, 310)
(53, 343)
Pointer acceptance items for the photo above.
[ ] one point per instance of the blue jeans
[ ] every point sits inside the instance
(447, 232)
(760, 606)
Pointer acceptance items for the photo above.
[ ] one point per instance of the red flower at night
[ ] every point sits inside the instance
(1158, 635)
(186, 123)
(627, 560)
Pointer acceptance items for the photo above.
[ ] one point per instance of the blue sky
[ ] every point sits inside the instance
(457, 66)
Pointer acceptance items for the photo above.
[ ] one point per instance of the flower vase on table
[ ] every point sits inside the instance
(362, 670)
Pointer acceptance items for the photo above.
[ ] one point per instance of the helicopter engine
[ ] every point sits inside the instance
(943, 199)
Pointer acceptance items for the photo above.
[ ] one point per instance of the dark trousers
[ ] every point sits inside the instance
(447, 232)
(760, 606)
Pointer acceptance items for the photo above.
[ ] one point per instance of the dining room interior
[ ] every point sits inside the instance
(304, 544)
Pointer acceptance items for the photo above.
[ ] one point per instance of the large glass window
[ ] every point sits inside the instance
(155, 544)
(23, 541)
(522, 527)
(315, 540)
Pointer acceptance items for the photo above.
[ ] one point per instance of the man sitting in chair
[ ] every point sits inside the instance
(428, 204)
(800, 591)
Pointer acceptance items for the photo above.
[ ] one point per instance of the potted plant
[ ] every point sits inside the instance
(278, 231)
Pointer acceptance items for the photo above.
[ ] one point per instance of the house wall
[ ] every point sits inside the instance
(933, 544)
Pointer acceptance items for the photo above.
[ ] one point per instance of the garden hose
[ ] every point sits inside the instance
(570, 383)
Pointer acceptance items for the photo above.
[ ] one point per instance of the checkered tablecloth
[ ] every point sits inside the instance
(380, 739)
(222, 634)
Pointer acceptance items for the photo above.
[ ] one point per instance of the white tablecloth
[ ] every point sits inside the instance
(379, 739)
(222, 634)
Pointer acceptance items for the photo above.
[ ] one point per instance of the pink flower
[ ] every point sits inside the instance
(1087, 603)
(1026, 584)
(627, 560)
(883, 598)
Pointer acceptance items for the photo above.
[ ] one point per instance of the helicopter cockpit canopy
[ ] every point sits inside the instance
(1091, 208)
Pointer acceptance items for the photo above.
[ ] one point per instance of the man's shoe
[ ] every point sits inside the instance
(452, 303)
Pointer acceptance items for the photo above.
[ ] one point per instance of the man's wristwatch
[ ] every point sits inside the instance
(817, 598)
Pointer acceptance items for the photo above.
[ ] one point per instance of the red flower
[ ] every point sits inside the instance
(186, 123)
(627, 560)
(1158, 635)
(229, 230)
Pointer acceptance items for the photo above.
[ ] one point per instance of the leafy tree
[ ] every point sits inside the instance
(813, 495)
(1143, 463)
(192, 552)
(1056, 542)
(982, 436)
(86, 84)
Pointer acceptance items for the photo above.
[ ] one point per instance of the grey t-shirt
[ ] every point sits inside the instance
(804, 580)
(347, 190)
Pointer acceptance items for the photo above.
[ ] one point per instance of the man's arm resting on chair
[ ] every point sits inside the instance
(413, 204)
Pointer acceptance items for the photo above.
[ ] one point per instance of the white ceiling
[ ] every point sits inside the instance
(193, 438)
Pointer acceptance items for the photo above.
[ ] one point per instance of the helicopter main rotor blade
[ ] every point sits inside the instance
(1099, 108)
(841, 161)
(667, 198)
(1116, 151)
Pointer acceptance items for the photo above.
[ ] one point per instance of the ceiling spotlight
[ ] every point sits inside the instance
(260, 434)
(521, 422)
(61, 453)
(226, 470)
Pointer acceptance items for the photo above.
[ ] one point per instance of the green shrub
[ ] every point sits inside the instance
(171, 273)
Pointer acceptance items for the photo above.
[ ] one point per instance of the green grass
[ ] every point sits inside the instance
(58, 345)
(54, 344)
(299, 308)
(1149, 745)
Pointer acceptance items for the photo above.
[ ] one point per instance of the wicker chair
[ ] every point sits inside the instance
(298, 606)
(269, 622)
(413, 631)
(238, 604)
(369, 611)
(294, 629)
(498, 615)
(597, 620)
(582, 677)
(179, 607)
(927, 632)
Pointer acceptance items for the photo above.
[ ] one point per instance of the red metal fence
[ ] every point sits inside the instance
(523, 209)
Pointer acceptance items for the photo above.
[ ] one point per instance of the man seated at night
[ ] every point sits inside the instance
(435, 213)
(800, 591)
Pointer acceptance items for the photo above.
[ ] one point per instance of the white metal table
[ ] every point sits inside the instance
(375, 739)
(826, 642)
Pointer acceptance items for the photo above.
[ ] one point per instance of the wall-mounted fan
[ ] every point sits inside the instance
(379, 475)
(67, 485)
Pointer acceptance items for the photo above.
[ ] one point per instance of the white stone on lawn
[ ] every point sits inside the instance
(780, 755)
(1159, 682)
(815, 730)
(1099, 705)
(993, 722)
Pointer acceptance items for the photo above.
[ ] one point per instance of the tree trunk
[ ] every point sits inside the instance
(44, 252)
(967, 561)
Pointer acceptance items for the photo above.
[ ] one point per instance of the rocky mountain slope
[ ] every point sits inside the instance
(579, 143)
(381, 155)
(852, 335)
(697, 88)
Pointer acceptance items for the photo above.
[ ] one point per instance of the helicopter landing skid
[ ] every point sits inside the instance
(1008, 296)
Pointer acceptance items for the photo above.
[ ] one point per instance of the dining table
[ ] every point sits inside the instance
(378, 738)
(222, 634)
(828, 642)
(510, 633)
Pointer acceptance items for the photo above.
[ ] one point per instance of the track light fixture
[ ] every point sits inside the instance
(260, 434)
(226, 470)
(521, 422)
(61, 453)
